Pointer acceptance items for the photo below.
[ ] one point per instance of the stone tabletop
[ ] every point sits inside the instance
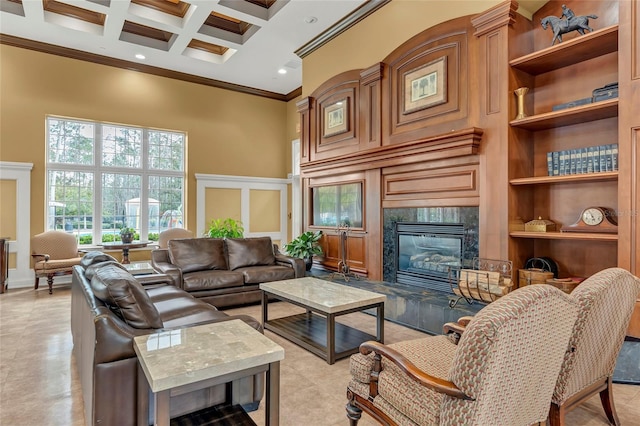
(325, 296)
(179, 357)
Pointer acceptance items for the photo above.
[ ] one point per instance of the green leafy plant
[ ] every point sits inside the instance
(127, 230)
(127, 234)
(227, 228)
(305, 246)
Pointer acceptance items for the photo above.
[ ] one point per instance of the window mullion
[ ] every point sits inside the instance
(97, 185)
(144, 190)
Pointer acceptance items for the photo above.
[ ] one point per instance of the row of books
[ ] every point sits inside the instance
(592, 159)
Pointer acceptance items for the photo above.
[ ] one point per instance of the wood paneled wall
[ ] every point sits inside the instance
(629, 134)
(405, 153)
(458, 151)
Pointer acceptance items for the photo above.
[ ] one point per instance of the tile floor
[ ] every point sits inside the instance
(39, 384)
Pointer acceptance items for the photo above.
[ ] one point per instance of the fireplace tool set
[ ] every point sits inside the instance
(343, 267)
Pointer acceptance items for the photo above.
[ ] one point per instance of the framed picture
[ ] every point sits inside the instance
(426, 86)
(336, 118)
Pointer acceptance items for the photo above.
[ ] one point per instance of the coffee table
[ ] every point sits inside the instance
(316, 329)
(178, 361)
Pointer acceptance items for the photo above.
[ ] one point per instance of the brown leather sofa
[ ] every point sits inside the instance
(225, 272)
(109, 307)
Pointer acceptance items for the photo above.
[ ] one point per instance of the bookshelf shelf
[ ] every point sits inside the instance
(544, 180)
(569, 116)
(565, 236)
(588, 46)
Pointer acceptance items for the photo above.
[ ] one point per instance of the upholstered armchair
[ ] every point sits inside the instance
(54, 253)
(172, 234)
(606, 301)
(502, 372)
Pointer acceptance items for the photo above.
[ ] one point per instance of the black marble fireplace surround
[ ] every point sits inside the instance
(420, 244)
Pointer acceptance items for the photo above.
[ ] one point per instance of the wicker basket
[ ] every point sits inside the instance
(533, 276)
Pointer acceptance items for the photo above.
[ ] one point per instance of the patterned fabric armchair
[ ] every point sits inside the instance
(503, 370)
(54, 253)
(606, 302)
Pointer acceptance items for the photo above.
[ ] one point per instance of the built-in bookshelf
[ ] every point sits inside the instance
(555, 150)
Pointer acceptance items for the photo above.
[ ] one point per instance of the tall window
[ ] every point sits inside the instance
(103, 177)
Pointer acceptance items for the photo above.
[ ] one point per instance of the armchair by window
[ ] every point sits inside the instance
(172, 234)
(54, 253)
(503, 370)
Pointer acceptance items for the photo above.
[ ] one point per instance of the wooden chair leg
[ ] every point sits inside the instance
(606, 397)
(35, 287)
(50, 282)
(354, 413)
(556, 415)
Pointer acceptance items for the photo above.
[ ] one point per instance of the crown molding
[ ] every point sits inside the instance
(134, 66)
(341, 26)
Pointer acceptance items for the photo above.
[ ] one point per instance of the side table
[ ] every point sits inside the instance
(198, 357)
(125, 247)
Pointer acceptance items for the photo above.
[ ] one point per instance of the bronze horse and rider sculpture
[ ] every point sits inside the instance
(572, 22)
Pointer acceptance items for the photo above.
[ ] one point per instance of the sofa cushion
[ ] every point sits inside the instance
(249, 252)
(120, 291)
(210, 280)
(263, 274)
(197, 254)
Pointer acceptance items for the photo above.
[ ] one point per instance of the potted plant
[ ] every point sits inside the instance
(227, 228)
(127, 234)
(305, 247)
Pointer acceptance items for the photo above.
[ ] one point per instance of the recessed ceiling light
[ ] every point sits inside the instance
(282, 71)
(140, 56)
(310, 19)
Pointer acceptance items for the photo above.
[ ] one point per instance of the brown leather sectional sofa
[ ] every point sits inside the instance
(225, 272)
(109, 307)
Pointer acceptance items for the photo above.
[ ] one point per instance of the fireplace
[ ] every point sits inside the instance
(421, 245)
(427, 252)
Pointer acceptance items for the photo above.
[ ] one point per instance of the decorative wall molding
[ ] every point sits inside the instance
(245, 184)
(448, 145)
(22, 275)
(341, 26)
(497, 17)
(135, 66)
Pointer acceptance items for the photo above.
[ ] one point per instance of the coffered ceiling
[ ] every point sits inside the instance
(254, 46)
(237, 44)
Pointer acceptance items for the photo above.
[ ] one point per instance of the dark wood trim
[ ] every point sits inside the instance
(603, 386)
(134, 66)
(497, 17)
(452, 144)
(410, 369)
(341, 26)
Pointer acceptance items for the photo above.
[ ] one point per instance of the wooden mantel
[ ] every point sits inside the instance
(453, 144)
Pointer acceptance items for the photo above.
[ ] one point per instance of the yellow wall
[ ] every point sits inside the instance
(265, 210)
(8, 209)
(222, 203)
(371, 40)
(229, 133)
